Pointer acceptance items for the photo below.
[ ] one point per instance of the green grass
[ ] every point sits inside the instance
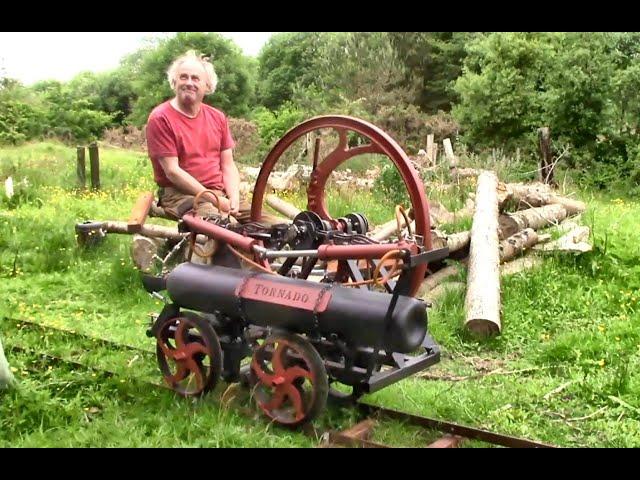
(572, 323)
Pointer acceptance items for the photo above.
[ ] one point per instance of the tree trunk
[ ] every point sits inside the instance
(546, 158)
(517, 243)
(6, 377)
(482, 303)
(535, 218)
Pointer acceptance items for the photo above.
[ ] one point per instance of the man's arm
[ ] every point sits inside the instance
(185, 182)
(231, 179)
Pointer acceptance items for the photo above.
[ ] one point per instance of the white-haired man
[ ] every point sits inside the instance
(191, 147)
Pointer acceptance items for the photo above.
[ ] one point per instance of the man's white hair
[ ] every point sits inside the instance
(211, 79)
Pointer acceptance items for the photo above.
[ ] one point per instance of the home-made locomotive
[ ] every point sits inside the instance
(303, 310)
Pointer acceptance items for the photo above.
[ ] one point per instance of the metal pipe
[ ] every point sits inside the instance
(264, 253)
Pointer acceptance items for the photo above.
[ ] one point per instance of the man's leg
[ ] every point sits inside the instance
(244, 215)
(177, 203)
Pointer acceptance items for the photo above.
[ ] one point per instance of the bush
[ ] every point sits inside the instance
(390, 183)
(245, 134)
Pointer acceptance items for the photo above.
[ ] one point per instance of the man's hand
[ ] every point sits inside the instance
(220, 201)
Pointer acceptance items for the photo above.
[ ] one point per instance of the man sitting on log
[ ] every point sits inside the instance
(191, 147)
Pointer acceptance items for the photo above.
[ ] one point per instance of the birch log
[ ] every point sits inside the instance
(6, 377)
(520, 264)
(434, 296)
(540, 194)
(282, 207)
(148, 230)
(517, 243)
(433, 280)
(455, 241)
(384, 231)
(482, 303)
(535, 218)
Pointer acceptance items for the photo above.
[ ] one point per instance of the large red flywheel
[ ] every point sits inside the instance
(376, 142)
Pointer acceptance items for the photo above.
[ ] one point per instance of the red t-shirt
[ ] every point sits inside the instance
(197, 142)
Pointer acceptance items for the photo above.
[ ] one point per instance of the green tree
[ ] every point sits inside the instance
(67, 116)
(149, 65)
(21, 113)
(501, 90)
(287, 62)
(110, 92)
(436, 59)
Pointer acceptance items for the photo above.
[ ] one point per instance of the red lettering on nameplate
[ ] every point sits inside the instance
(305, 298)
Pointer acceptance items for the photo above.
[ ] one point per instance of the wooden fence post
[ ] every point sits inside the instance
(546, 157)
(448, 151)
(95, 166)
(81, 168)
(431, 159)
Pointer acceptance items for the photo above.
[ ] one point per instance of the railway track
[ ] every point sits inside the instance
(449, 435)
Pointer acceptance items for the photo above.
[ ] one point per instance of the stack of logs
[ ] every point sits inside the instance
(496, 237)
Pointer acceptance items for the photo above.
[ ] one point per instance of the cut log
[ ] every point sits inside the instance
(387, 229)
(504, 195)
(435, 279)
(482, 303)
(535, 218)
(458, 241)
(439, 291)
(466, 172)
(439, 214)
(520, 264)
(280, 206)
(148, 230)
(517, 243)
(466, 211)
(6, 377)
(144, 251)
(538, 195)
(573, 241)
(455, 241)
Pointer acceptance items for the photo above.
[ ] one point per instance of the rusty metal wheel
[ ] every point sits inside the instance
(189, 354)
(376, 141)
(288, 379)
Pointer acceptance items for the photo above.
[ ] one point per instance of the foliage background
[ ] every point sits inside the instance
(485, 90)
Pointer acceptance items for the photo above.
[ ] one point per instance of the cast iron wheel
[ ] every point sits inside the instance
(189, 354)
(378, 143)
(288, 380)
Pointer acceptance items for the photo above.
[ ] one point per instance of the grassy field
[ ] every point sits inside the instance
(564, 370)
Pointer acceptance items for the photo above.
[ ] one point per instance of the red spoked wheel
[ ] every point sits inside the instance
(189, 354)
(372, 141)
(288, 380)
